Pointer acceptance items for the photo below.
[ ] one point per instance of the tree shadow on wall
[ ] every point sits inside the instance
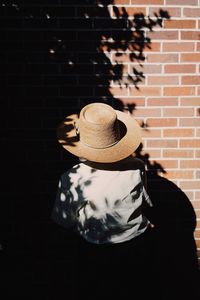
(78, 47)
(175, 221)
(100, 56)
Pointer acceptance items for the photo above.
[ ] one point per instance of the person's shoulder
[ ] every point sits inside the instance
(129, 163)
(134, 163)
(71, 170)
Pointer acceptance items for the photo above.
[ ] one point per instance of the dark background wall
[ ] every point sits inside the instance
(38, 90)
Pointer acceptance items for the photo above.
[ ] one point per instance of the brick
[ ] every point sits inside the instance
(124, 80)
(197, 110)
(173, 11)
(177, 68)
(179, 47)
(190, 35)
(190, 143)
(163, 35)
(162, 122)
(191, 12)
(179, 91)
(167, 164)
(190, 195)
(140, 101)
(167, 143)
(118, 92)
(130, 10)
(178, 132)
(197, 195)
(198, 49)
(181, 24)
(154, 47)
(151, 133)
(150, 112)
(152, 153)
(125, 67)
(189, 185)
(198, 246)
(120, 57)
(187, 57)
(146, 68)
(162, 102)
(190, 164)
(197, 132)
(190, 101)
(177, 153)
(189, 80)
(197, 153)
(146, 91)
(137, 101)
(148, 2)
(181, 174)
(181, 2)
(163, 80)
(198, 225)
(163, 58)
(178, 112)
(197, 174)
(189, 122)
(120, 2)
(196, 204)
(197, 212)
(197, 232)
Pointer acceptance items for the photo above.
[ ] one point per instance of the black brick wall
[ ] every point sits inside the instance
(39, 88)
(51, 66)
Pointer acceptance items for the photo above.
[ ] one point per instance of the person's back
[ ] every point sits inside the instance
(103, 202)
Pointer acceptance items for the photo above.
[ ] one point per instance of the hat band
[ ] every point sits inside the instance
(103, 147)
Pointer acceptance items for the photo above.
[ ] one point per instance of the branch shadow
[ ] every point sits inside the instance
(117, 38)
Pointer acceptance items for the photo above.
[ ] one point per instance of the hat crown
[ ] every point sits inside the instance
(99, 114)
(98, 126)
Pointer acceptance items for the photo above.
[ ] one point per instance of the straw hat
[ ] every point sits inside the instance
(100, 134)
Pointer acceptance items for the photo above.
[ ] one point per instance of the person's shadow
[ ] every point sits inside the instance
(175, 253)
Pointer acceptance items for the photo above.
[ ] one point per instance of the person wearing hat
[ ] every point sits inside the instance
(102, 197)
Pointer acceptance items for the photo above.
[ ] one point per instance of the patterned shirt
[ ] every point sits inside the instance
(104, 206)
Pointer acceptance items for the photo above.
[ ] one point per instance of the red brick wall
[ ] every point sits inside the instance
(168, 99)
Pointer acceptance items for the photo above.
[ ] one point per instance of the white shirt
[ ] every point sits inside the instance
(104, 206)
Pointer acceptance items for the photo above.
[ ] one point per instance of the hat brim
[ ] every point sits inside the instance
(130, 141)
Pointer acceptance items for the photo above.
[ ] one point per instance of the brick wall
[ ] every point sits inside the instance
(168, 100)
(58, 56)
